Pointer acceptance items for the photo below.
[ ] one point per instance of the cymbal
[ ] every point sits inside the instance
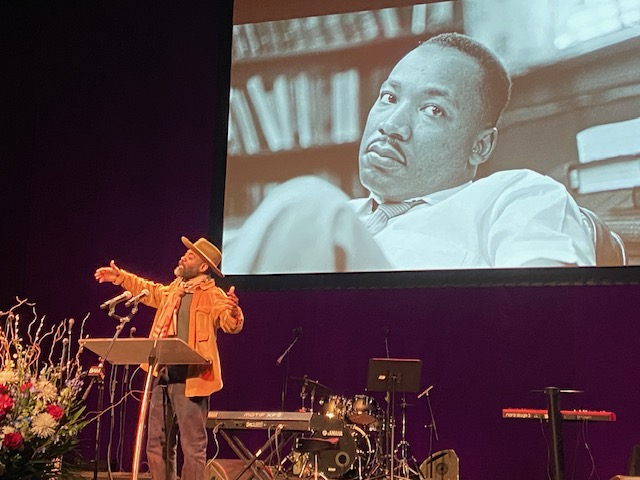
(307, 381)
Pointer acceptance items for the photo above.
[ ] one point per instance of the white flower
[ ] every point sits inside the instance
(43, 425)
(8, 376)
(45, 390)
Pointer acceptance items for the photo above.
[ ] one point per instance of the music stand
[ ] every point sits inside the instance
(402, 374)
(155, 351)
(393, 375)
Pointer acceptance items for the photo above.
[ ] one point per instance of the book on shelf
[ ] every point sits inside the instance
(240, 43)
(264, 107)
(367, 24)
(243, 118)
(295, 38)
(390, 21)
(253, 42)
(351, 29)
(605, 175)
(345, 114)
(609, 158)
(313, 31)
(335, 35)
(336, 31)
(419, 19)
(302, 97)
(234, 146)
(609, 140)
(301, 110)
(284, 111)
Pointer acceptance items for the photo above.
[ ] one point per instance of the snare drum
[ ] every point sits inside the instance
(334, 406)
(363, 410)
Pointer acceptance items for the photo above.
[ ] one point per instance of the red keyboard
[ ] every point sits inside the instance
(578, 415)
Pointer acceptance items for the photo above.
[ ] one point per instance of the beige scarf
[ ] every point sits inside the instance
(165, 325)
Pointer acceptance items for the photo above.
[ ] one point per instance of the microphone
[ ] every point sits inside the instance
(426, 392)
(296, 334)
(281, 357)
(132, 330)
(116, 300)
(137, 298)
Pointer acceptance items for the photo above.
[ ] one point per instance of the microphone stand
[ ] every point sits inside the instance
(97, 376)
(432, 430)
(123, 409)
(286, 372)
(386, 341)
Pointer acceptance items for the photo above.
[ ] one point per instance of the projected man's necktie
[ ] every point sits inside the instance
(378, 219)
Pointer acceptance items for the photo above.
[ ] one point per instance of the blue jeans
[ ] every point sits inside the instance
(170, 409)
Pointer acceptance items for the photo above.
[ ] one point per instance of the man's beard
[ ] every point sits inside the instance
(187, 273)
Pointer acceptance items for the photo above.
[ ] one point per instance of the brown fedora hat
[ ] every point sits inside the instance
(207, 251)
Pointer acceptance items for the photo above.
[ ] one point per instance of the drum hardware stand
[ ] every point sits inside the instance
(404, 449)
(433, 429)
(315, 446)
(303, 395)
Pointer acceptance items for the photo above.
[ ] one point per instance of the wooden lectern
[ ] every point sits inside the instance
(155, 351)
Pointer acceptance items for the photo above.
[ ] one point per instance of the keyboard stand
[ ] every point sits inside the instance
(259, 468)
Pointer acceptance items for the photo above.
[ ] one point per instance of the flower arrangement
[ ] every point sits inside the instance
(41, 411)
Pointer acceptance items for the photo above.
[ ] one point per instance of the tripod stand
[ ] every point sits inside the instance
(407, 466)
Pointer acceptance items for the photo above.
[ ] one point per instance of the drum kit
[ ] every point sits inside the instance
(361, 427)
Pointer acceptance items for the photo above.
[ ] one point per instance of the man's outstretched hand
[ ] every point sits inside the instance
(232, 301)
(108, 274)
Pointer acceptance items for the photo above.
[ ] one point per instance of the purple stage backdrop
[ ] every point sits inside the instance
(109, 125)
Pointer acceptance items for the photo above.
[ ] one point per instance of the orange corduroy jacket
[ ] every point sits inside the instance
(207, 314)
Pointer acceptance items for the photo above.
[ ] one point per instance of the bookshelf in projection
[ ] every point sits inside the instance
(300, 92)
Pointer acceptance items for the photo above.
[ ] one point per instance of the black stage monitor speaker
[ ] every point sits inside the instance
(634, 461)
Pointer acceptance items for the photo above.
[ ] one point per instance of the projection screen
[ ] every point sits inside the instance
(333, 116)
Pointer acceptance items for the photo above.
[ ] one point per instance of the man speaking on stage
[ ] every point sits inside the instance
(192, 308)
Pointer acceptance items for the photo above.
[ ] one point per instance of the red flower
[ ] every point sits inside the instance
(25, 386)
(6, 404)
(4, 388)
(12, 440)
(55, 411)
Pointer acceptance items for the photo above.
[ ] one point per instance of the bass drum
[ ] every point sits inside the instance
(353, 458)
